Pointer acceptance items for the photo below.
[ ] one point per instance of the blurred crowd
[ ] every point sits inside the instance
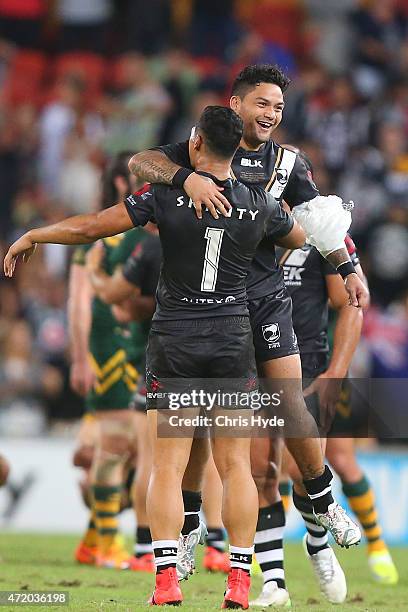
(80, 81)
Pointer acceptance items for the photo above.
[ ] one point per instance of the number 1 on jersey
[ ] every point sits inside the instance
(212, 256)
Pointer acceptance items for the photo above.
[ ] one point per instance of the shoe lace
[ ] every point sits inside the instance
(337, 519)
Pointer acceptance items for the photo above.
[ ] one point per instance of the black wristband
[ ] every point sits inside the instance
(345, 269)
(181, 175)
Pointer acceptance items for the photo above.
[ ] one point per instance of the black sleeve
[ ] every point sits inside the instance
(141, 205)
(300, 187)
(279, 223)
(143, 267)
(177, 153)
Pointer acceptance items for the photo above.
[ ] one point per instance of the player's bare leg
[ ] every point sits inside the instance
(83, 457)
(307, 449)
(341, 454)
(111, 453)
(165, 508)
(4, 470)
(164, 501)
(194, 530)
(215, 557)
(239, 513)
(266, 456)
(143, 554)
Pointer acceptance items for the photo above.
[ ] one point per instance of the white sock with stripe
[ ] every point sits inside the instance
(241, 558)
(165, 554)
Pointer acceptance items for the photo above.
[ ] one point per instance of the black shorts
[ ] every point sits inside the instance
(186, 355)
(272, 327)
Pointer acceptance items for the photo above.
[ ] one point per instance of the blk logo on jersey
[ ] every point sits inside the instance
(271, 334)
(251, 163)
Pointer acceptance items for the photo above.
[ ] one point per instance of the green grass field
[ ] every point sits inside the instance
(35, 562)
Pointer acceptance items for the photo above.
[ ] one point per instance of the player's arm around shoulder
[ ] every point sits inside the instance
(284, 230)
(170, 165)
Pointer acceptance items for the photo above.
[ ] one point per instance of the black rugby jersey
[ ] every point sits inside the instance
(205, 262)
(280, 172)
(142, 268)
(304, 274)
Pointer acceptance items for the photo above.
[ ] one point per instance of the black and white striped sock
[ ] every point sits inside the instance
(241, 558)
(165, 554)
(269, 543)
(319, 491)
(317, 536)
(216, 538)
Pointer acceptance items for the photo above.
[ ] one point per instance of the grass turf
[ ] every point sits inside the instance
(44, 562)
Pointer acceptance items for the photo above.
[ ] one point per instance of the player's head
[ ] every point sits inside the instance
(217, 134)
(117, 180)
(257, 97)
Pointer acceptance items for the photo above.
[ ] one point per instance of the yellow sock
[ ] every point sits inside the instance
(107, 507)
(91, 535)
(362, 501)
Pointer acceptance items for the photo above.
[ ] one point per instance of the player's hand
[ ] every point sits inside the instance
(204, 192)
(82, 377)
(122, 312)
(23, 246)
(328, 390)
(359, 295)
(94, 256)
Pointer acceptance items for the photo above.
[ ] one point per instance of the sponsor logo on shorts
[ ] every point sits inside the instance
(271, 334)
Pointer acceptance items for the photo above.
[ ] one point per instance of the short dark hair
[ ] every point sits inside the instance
(251, 76)
(118, 166)
(222, 129)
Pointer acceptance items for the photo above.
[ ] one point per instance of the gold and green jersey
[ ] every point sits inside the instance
(117, 249)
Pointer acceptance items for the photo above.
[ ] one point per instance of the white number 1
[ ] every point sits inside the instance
(212, 256)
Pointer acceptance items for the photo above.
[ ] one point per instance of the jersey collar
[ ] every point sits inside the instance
(226, 183)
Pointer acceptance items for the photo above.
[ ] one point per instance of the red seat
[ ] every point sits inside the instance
(89, 66)
(25, 78)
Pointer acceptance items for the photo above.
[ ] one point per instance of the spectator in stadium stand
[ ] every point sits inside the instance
(150, 35)
(279, 22)
(338, 127)
(84, 24)
(138, 112)
(380, 28)
(55, 124)
(386, 246)
(213, 27)
(21, 22)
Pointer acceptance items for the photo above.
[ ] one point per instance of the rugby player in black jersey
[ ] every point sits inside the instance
(311, 283)
(200, 329)
(257, 96)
